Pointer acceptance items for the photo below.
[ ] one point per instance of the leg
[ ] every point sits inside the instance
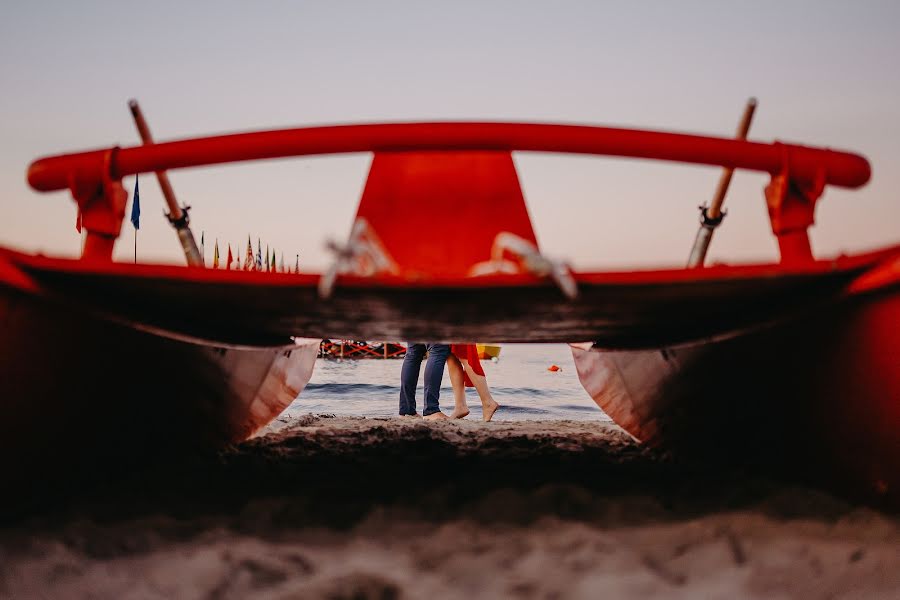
(409, 377)
(460, 408)
(434, 372)
(488, 405)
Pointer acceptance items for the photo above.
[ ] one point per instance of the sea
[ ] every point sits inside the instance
(520, 381)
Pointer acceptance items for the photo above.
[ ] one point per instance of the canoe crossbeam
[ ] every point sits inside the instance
(799, 174)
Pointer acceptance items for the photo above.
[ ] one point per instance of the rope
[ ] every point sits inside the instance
(530, 260)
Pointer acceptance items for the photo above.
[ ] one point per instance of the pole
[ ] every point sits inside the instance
(178, 216)
(711, 216)
(135, 246)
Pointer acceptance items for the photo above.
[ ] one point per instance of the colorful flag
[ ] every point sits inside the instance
(230, 259)
(258, 255)
(136, 206)
(248, 260)
(216, 255)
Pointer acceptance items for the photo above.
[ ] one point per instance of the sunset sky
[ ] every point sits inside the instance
(825, 73)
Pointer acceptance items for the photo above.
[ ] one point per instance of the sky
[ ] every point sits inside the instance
(825, 73)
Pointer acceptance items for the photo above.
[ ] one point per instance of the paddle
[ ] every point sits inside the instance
(178, 216)
(711, 217)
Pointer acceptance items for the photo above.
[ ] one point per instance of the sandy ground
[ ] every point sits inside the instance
(347, 507)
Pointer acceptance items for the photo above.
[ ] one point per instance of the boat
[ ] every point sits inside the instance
(82, 387)
(487, 351)
(356, 349)
(682, 357)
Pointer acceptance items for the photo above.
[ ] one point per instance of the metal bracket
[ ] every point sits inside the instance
(710, 222)
(102, 209)
(792, 205)
(182, 222)
(704, 236)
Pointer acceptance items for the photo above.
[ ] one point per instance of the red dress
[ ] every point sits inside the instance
(470, 353)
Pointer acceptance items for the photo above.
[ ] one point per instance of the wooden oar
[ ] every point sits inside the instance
(178, 216)
(711, 217)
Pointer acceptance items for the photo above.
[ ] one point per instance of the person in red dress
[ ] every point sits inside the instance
(465, 371)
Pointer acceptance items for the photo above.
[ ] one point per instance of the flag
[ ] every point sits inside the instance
(248, 260)
(216, 255)
(230, 259)
(258, 255)
(136, 206)
(203, 247)
(273, 260)
(267, 258)
(297, 266)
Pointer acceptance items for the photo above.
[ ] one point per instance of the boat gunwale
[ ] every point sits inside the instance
(34, 264)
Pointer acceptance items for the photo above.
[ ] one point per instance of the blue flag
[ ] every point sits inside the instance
(136, 206)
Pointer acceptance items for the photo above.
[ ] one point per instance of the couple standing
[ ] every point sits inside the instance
(465, 369)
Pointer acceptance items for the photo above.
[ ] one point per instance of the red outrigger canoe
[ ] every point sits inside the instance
(797, 362)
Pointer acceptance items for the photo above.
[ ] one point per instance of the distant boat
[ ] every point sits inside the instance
(351, 349)
(487, 351)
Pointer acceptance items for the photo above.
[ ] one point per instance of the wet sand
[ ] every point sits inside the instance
(348, 507)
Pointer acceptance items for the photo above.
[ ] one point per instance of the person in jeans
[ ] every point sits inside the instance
(434, 372)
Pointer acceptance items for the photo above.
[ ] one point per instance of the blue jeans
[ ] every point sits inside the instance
(434, 372)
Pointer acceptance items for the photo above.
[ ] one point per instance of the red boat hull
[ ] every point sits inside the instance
(794, 360)
(819, 393)
(80, 391)
(765, 362)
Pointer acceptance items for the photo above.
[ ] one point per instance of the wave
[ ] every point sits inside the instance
(526, 391)
(343, 388)
(524, 410)
(578, 407)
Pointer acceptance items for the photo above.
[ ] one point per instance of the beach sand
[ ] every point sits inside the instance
(351, 507)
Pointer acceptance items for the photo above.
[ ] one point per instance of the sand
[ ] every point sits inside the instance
(347, 507)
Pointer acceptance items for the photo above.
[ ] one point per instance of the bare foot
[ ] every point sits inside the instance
(438, 416)
(459, 415)
(488, 413)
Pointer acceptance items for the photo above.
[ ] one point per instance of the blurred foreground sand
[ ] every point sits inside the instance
(348, 507)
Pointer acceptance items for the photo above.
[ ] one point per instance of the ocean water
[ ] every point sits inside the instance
(519, 380)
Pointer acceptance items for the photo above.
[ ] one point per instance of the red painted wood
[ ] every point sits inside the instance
(811, 345)
(818, 394)
(437, 213)
(621, 309)
(178, 274)
(803, 163)
(79, 391)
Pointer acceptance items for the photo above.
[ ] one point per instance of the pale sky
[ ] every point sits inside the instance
(825, 73)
